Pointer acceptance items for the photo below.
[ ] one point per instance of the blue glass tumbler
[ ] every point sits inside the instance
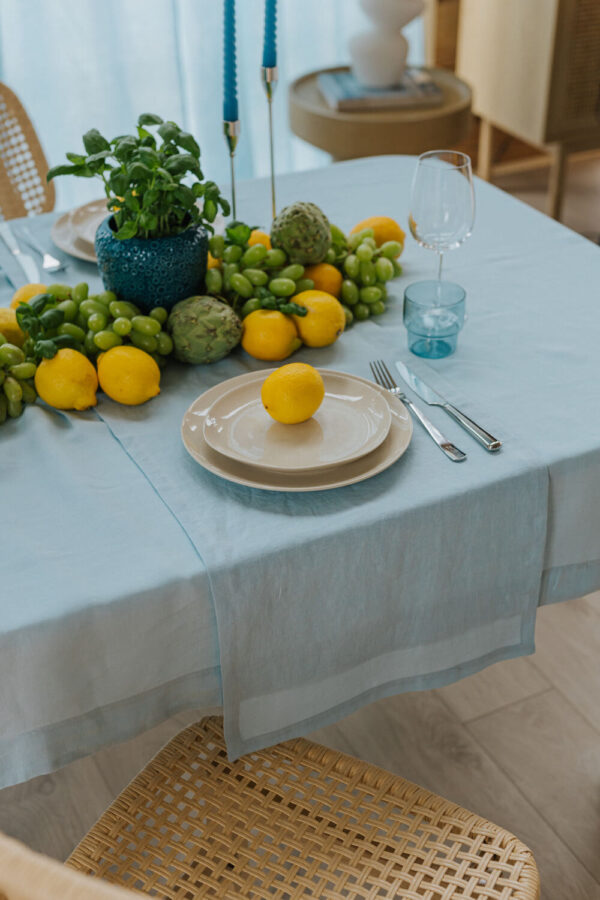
(434, 313)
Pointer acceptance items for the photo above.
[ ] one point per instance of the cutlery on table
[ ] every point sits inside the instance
(49, 263)
(384, 379)
(25, 261)
(432, 398)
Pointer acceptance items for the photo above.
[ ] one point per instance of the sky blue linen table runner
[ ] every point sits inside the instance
(432, 569)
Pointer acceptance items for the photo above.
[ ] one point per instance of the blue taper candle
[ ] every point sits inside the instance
(270, 41)
(230, 101)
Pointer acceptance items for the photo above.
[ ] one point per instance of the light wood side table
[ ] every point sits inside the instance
(349, 135)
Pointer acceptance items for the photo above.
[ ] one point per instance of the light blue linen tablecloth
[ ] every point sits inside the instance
(113, 561)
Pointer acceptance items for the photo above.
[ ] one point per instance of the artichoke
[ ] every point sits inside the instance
(204, 329)
(303, 231)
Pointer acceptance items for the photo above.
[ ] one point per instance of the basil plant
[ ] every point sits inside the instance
(143, 176)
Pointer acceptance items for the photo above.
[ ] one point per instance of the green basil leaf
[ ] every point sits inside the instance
(119, 182)
(148, 156)
(183, 162)
(209, 210)
(124, 147)
(225, 206)
(238, 233)
(139, 172)
(132, 202)
(148, 220)
(62, 170)
(184, 195)
(150, 197)
(149, 119)
(76, 158)
(97, 157)
(94, 142)
(188, 142)
(169, 131)
(127, 230)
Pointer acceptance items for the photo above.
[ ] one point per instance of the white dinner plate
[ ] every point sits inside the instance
(353, 420)
(388, 452)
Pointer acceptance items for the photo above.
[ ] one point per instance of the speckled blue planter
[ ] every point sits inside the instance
(153, 272)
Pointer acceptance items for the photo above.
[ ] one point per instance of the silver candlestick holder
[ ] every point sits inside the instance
(231, 131)
(270, 77)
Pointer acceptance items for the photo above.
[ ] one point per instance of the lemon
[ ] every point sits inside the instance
(325, 320)
(68, 381)
(211, 262)
(292, 393)
(325, 277)
(128, 375)
(385, 228)
(259, 237)
(26, 293)
(269, 334)
(9, 326)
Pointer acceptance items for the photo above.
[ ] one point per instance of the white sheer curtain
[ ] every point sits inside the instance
(77, 64)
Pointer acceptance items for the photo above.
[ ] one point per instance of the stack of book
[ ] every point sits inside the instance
(344, 93)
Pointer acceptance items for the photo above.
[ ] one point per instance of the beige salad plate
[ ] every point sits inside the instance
(353, 420)
(321, 479)
(74, 232)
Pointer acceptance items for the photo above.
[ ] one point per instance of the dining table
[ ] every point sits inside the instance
(135, 584)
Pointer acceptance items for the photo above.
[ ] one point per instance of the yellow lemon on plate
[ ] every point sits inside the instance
(326, 278)
(259, 237)
(269, 334)
(128, 375)
(9, 326)
(67, 381)
(26, 293)
(325, 320)
(292, 393)
(385, 229)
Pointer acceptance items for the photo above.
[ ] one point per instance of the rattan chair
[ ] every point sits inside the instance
(290, 822)
(23, 166)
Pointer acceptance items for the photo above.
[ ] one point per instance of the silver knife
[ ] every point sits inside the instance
(25, 261)
(432, 398)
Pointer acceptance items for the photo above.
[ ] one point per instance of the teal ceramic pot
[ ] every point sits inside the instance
(153, 272)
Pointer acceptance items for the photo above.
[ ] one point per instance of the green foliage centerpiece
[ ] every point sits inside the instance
(152, 249)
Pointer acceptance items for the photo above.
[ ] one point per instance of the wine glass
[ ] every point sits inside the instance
(442, 207)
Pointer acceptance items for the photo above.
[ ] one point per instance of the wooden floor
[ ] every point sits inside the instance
(518, 743)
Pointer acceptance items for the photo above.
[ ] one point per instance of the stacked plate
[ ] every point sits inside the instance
(357, 432)
(75, 231)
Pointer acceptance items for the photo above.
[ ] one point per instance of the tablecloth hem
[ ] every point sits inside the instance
(237, 747)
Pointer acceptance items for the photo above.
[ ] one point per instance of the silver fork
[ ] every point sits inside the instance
(383, 378)
(49, 263)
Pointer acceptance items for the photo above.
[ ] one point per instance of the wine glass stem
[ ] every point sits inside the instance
(441, 255)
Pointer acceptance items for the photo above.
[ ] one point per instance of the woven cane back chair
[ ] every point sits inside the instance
(294, 821)
(23, 166)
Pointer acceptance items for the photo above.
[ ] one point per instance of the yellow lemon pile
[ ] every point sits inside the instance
(292, 393)
(128, 375)
(270, 335)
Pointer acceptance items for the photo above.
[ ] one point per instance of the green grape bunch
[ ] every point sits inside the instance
(67, 316)
(17, 388)
(367, 268)
(254, 277)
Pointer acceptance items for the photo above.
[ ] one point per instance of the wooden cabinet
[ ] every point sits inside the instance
(534, 67)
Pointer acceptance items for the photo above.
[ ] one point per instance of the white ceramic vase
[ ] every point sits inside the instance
(379, 54)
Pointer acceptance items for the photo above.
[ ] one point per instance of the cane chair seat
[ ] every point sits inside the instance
(296, 820)
(23, 166)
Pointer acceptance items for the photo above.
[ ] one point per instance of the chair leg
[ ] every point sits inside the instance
(485, 150)
(556, 187)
